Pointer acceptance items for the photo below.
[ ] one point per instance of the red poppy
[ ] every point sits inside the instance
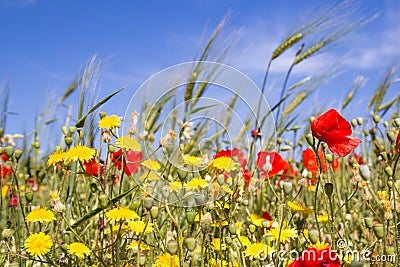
(4, 156)
(271, 163)
(335, 164)
(256, 134)
(355, 158)
(247, 177)
(398, 139)
(335, 131)
(4, 171)
(313, 257)
(13, 200)
(132, 161)
(311, 163)
(267, 216)
(233, 153)
(92, 167)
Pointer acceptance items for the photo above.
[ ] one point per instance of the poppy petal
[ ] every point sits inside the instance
(329, 125)
(343, 146)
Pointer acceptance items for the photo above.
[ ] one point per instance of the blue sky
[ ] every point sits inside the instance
(44, 43)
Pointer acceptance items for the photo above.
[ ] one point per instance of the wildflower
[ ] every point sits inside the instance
(38, 244)
(223, 164)
(257, 250)
(256, 220)
(285, 234)
(175, 186)
(297, 207)
(310, 161)
(335, 131)
(128, 143)
(220, 223)
(109, 122)
(317, 258)
(322, 218)
(14, 200)
(134, 245)
(321, 245)
(40, 215)
(150, 176)
(131, 161)
(151, 164)
(56, 158)
(121, 214)
(217, 263)
(271, 163)
(236, 154)
(196, 183)
(355, 159)
(245, 241)
(193, 160)
(167, 260)
(92, 167)
(171, 135)
(81, 153)
(138, 227)
(217, 245)
(78, 249)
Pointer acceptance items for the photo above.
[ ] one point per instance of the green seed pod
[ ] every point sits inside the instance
(190, 243)
(68, 141)
(328, 189)
(9, 150)
(389, 250)
(391, 136)
(359, 121)
(376, 118)
(102, 114)
(232, 228)
(93, 187)
(389, 171)
(72, 129)
(154, 212)
(354, 122)
(36, 144)
(368, 222)
(287, 187)
(29, 196)
(378, 231)
(18, 153)
(103, 199)
(365, 172)
(172, 247)
(252, 228)
(111, 148)
(148, 203)
(142, 259)
(190, 216)
(182, 174)
(199, 199)
(329, 158)
(310, 140)
(313, 235)
(135, 204)
(203, 172)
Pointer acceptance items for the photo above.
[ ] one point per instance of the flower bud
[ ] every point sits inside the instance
(199, 199)
(396, 122)
(365, 172)
(389, 171)
(329, 158)
(102, 114)
(386, 124)
(9, 150)
(252, 228)
(389, 250)
(359, 121)
(68, 141)
(18, 153)
(190, 216)
(368, 222)
(354, 122)
(190, 243)
(206, 222)
(228, 240)
(1, 131)
(103, 200)
(313, 235)
(376, 118)
(93, 187)
(279, 141)
(378, 231)
(391, 136)
(154, 212)
(232, 228)
(29, 196)
(172, 247)
(287, 187)
(329, 189)
(312, 118)
(310, 140)
(220, 179)
(142, 259)
(64, 130)
(148, 203)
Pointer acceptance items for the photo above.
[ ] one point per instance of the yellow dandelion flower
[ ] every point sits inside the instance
(175, 186)
(128, 142)
(117, 229)
(134, 245)
(151, 164)
(223, 164)
(167, 260)
(217, 245)
(78, 249)
(321, 245)
(139, 226)
(222, 205)
(257, 250)
(121, 214)
(56, 158)
(220, 223)
(217, 263)
(40, 215)
(297, 207)
(4, 191)
(286, 234)
(150, 176)
(38, 244)
(245, 241)
(109, 122)
(196, 183)
(193, 160)
(383, 195)
(81, 153)
(55, 195)
(256, 220)
(323, 218)
(227, 189)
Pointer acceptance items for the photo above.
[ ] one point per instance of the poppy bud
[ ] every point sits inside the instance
(203, 172)
(359, 121)
(190, 215)
(365, 172)
(252, 228)
(72, 129)
(310, 140)
(93, 187)
(396, 122)
(329, 158)
(190, 243)
(172, 247)
(18, 153)
(368, 222)
(68, 141)
(390, 182)
(279, 141)
(102, 114)
(103, 200)
(287, 187)
(29, 196)
(232, 228)
(9, 150)
(389, 171)
(313, 235)
(391, 136)
(182, 174)
(154, 212)
(286, 148)
(354, 122)
(64, 130)
(378, 230)
(151, 138)
(199, 198)
(148, 202)
(81, 134)
(376, 118)
(389, 250)
(386, 124)
(142, 259)
(312, 118)
(329, 189)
